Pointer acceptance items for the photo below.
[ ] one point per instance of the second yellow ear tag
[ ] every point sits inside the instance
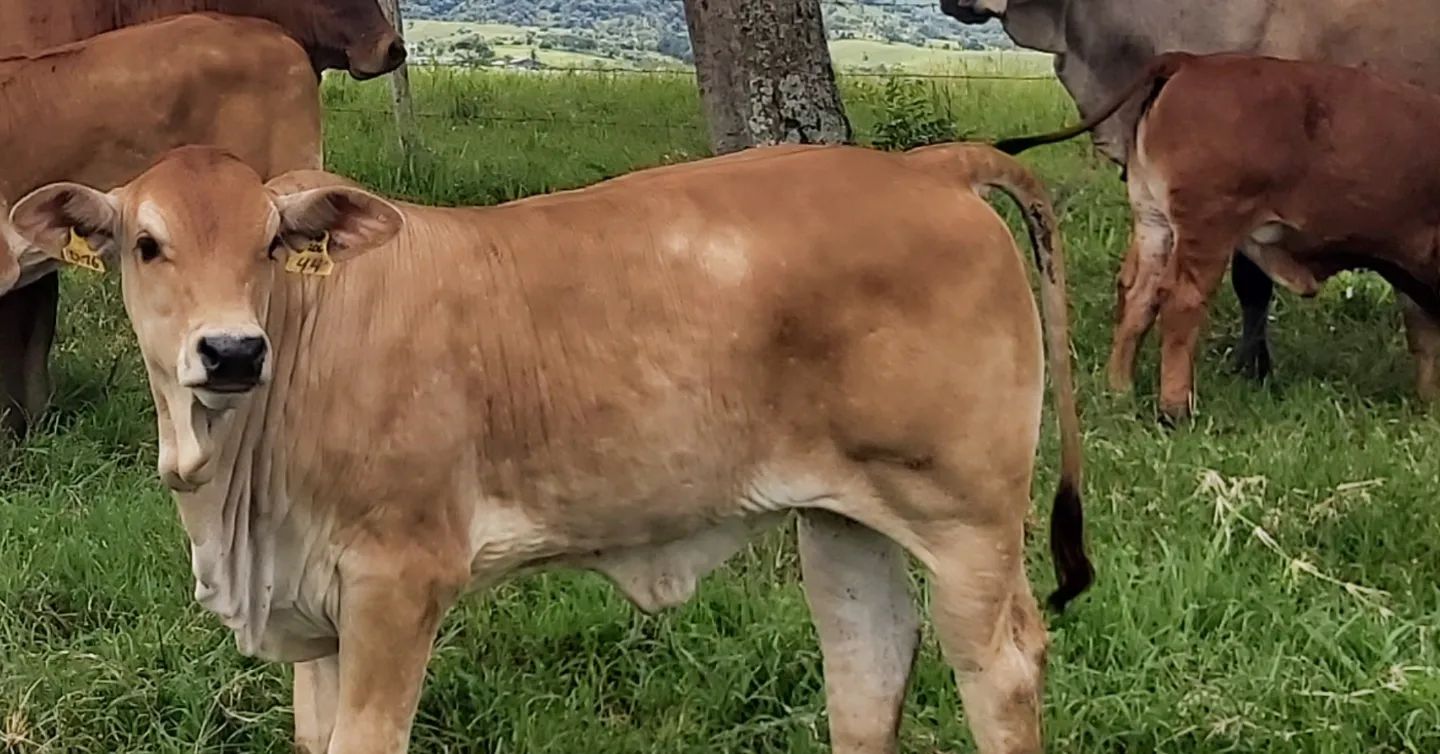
(312, 259)
(80, 253)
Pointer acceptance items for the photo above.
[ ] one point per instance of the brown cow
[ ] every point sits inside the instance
(1309, 168)
(101, 110)
(346, 34)
(634, 378)
(349, 35)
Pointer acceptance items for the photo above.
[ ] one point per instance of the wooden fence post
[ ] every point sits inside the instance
(400, 101)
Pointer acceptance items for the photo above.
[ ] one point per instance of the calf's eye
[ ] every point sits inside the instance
(148, 249)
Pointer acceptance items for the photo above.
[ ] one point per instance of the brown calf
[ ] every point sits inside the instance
(1309, 168)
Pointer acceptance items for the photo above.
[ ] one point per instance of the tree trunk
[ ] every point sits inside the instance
(400, 101)
(765, 74)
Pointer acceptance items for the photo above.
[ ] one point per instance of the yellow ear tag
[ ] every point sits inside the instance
(312, 259)
(80, 253)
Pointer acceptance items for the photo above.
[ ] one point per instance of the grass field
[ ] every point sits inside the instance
(1269, 578)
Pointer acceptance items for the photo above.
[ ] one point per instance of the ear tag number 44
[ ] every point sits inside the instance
(312, 259)
(80, 253)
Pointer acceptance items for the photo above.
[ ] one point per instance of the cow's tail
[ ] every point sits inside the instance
(1160, 69)
(984, 167)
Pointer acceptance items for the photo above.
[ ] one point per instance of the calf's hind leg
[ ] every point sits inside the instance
(989, 626)
(991, 632)
(1422, 333)
(1254, 290)
(1195, 271)
(859, 597)
(1138, 285)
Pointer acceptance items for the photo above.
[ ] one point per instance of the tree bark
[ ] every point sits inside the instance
(765, 74)
(400, 101)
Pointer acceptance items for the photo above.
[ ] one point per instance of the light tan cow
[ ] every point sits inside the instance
(632, 378)
(100, 111)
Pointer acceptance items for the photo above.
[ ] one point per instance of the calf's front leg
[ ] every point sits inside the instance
(27, 333)
(387, 626)
(317, 689)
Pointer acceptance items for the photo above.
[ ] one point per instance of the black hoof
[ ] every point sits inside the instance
(1253, 361)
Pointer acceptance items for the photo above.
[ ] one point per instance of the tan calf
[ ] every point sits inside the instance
(1308, 168)
(632, 378)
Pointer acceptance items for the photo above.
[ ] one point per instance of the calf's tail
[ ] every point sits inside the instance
(1156, 73)
(984, 167)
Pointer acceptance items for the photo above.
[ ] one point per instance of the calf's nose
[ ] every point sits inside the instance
(232, 361)
(395, 53)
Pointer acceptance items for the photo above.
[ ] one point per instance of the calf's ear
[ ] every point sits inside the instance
(355, 220)
(69, 222)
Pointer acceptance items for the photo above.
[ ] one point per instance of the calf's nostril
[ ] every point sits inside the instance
(250, 349)
(209, 354)
(396, 53)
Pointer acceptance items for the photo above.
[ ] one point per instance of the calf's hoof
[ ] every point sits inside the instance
(1171, 414)
(1121, 384)
(1252, 360)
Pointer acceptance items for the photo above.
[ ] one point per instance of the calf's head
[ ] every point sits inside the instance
(199, 239)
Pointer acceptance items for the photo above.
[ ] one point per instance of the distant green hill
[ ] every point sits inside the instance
(658, 26)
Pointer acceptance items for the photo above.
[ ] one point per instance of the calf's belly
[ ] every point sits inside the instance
(656, 550)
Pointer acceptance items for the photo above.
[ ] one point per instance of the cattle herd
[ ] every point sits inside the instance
(367, 408)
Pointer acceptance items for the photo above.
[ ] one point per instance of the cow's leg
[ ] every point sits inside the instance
(317, 689)
(859, 598)
(387, 626)
(964, 519)
(990, 630)
(1192, 278)
(1255, 290)
(1137, 292)
(27, 332)
(1422, 333)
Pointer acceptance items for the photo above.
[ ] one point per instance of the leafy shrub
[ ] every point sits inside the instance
(909, 117)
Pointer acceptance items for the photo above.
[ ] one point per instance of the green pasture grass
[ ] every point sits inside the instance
(1269, 575)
